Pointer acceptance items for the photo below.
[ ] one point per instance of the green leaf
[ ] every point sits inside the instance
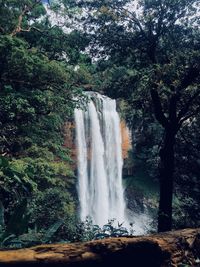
(52, 230)
(4, 162)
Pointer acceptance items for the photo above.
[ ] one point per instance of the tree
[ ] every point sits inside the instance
(39, 89)
(187, 184)
(154, 53)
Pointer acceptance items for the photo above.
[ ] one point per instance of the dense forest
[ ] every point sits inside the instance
(147, 56)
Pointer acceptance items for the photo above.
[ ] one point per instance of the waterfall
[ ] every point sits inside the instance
(98, 141)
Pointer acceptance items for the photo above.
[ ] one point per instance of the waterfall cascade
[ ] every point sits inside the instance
(98, 140)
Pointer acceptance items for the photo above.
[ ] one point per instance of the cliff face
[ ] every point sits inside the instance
(178, 248)
(69, 135)
(126, 139)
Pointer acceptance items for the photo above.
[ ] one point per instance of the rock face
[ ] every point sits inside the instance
(69, 137)
(160, 250)
(126, 139)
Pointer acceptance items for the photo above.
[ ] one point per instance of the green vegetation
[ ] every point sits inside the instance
(140, 181)
(148, 59)
(38, 92)
(149, 56)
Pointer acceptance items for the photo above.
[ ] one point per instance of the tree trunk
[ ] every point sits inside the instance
(178, 248)
(166, 181)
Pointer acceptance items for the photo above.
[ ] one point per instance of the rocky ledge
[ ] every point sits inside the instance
(176, 248)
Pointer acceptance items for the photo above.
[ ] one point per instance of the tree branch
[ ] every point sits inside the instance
(190, 115)
(25, 11)
(31, 28)
(19, 23)
(173, 111)
(133, 17)
(158, 111)
(186, 108)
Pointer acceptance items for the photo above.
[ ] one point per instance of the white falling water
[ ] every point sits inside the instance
(98, 140)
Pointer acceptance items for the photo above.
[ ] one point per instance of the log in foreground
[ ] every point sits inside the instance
(164, 249)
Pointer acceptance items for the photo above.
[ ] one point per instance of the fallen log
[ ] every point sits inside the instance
(158, 250)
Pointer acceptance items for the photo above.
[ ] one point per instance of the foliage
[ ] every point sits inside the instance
(15, 184)
(89, 231)
(149, 56)
(49, 206)
(186, 208)
(65, 230)
(39, 90)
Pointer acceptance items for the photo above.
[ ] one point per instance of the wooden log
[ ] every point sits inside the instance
(158, 250)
